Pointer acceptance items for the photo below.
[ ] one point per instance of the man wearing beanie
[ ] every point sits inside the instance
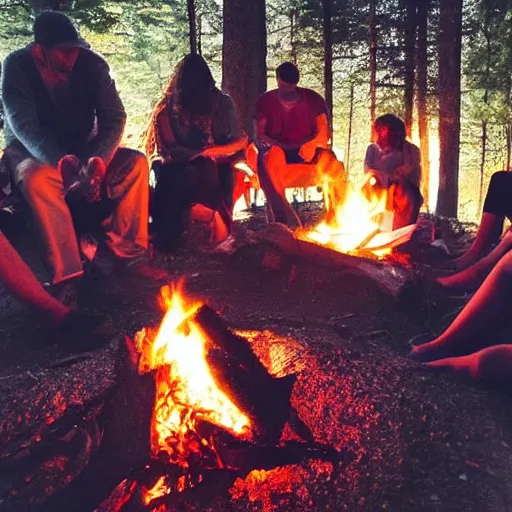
(292, 128)
(64, 122)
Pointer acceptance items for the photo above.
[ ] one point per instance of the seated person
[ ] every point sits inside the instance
(63, 124)
(477, 326)
(394, 162)
(23, 284)
(292, 128)
(497, 206)
(194, 138)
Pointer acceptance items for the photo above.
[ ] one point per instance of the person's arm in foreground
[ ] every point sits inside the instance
(19, 280)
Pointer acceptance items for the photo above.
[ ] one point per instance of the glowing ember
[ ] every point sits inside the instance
(354, 223)
(186, 390)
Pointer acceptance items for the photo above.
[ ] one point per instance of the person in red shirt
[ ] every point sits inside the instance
(292, 128)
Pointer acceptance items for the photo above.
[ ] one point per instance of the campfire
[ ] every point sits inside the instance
(186, 393)
(361, 224)
(218, 412)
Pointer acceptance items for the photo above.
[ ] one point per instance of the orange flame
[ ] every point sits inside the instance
(353, 222)
(186, 390)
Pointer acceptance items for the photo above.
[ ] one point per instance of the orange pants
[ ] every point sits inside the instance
(127, 186)
(276, 175)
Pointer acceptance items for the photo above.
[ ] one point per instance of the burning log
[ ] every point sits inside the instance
(241, 376)
(393, 280)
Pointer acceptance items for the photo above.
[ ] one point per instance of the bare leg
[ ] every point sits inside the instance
(330, 169)
(487, 308)
(488, 233)
(272, 183)
(17, 277)
(493, 364)
(472, 277)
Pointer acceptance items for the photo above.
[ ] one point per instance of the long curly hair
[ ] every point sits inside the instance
(191, 94)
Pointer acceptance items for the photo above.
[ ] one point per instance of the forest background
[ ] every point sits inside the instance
(444, 66)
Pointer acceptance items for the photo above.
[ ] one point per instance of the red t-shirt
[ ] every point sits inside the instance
(292, 125)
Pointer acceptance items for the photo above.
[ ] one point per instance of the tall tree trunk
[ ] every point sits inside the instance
(483, 156)
(410, 53)
(327, 26)
(349, 136)
(483, 153)
(508, 127)
(373, 65)
(199, 32)
(450, 38)
(421, 97)
(244, 53)
(192, 28)
(293, 35)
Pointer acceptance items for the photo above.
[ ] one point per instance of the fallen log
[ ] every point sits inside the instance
(394, 280)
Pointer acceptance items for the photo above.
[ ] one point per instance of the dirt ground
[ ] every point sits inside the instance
(424, 440)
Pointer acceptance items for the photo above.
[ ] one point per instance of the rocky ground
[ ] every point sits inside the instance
(419, 440)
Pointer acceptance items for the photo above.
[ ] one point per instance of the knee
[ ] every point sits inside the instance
(329, 164)
(274, 156)
(140, 166)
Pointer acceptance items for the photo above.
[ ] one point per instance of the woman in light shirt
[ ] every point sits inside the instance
(395, 164)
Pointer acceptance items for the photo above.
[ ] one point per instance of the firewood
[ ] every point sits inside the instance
(394, 280)
(266, 401)
(223, 338)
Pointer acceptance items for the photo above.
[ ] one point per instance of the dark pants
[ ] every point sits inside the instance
(178, 187)
(498, 200)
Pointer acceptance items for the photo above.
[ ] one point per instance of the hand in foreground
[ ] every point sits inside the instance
(307, 151)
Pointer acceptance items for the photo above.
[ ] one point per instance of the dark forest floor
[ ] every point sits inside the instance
(424, 440)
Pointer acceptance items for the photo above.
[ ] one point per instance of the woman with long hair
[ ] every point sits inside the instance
(192, 139)
(395, 164)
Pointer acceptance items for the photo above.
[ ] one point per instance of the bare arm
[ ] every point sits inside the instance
(225, 150)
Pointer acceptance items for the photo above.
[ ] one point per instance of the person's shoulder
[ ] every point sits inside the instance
(310, 94)
(93, 58)
(268, 96)
(15, 58)
(410, 146)
(225, 99)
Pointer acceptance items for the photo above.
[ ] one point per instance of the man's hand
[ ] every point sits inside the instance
(83, 180)
(307, 151)
(71, 170)
(95, 174)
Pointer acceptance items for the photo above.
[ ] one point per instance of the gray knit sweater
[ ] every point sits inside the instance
(22, 122)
